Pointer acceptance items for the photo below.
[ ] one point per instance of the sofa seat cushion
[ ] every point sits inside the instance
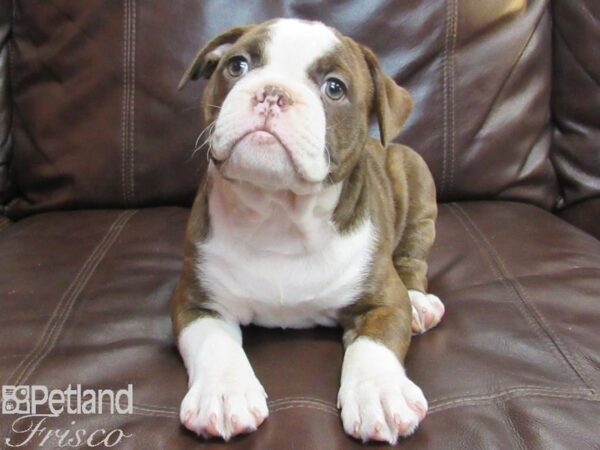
(514, 364)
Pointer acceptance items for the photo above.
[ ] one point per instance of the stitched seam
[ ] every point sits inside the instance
(300, 403)
(159, 413)
(494, 398)
(451, 93)
(502, 407)
(61, 312)
(444, 99)
(125, 103)
(132, 39)
(434, 410)
(318, 408)
(513, 67)
(448, 89)
(455, 209)
(512, 389)
(64, 317)
(307, 399)
(530, 309)
(505, 397)
(275, 403)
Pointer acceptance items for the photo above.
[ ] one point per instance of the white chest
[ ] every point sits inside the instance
(269, 275)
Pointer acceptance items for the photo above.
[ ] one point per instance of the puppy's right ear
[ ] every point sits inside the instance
(208, 57)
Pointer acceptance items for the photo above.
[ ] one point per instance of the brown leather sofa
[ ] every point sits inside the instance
(97, 174)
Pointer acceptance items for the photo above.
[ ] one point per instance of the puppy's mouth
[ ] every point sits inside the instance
(263, 138)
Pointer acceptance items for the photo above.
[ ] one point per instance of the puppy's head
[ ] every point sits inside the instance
(291, 102)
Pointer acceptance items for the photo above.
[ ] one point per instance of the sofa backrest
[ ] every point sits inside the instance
(91, 116)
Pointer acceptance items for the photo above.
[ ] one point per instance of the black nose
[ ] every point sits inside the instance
(274, 95)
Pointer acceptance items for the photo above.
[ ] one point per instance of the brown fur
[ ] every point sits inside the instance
(389, 183)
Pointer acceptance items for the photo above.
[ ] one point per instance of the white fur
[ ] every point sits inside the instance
(224, 397)
(295, 158)
(294, 45)
(276, 259)
(427, 311)
(377, 399)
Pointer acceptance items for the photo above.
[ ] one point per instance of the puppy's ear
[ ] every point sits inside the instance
(206, 60)
(391, 105)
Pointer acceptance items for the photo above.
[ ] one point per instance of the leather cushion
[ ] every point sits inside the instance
(513, 364)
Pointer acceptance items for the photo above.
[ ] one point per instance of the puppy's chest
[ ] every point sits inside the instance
(266, 275)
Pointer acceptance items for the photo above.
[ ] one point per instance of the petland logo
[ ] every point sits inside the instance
(37, 405)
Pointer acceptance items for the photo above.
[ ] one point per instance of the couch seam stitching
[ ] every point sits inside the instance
(454, 208)
(512, 389)
(308, 406)
(448, 91)
(432, 410)
(452, 95)
(444, 97)
(63, 308)
(21, 373)
(510, 73)
(435, 403)
(508, 396)
(532, 311)
(505, 415)
(125, 216)
(132, 101)
(125, 101)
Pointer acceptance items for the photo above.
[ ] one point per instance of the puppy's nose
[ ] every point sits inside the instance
(274, 95)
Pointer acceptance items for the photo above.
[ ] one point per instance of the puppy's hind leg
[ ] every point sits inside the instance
(415, 198)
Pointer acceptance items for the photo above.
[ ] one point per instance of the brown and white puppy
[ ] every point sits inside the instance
(304, 220)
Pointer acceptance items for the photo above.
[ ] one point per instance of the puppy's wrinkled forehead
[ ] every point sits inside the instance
(292, 46)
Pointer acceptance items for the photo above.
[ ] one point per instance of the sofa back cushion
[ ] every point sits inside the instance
(97, 120)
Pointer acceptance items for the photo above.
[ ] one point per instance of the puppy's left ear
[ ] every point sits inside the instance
(391, 105)
(207, 59)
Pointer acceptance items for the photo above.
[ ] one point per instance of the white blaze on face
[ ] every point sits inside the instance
(296, 157)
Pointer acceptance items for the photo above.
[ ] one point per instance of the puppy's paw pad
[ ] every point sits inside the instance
(383, 409)
(224, 408)
(427, 311)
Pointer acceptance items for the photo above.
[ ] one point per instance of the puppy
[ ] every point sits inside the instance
(304, 220)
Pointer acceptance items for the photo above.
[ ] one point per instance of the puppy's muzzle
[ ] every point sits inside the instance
(273, 97)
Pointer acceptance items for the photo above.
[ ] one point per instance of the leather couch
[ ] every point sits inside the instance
(97, 175)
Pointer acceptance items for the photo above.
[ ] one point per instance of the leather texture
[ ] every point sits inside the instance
(575, 100)
(471, 69)
(5, 104)
(97, 170)
(514, 364)
(584, 215)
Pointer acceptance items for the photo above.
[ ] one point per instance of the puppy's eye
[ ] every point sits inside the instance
(334, 89)
(237, 66)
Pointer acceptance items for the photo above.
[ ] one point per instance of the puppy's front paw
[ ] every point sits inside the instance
(382, 409)
(225, 407)
(427, 311)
